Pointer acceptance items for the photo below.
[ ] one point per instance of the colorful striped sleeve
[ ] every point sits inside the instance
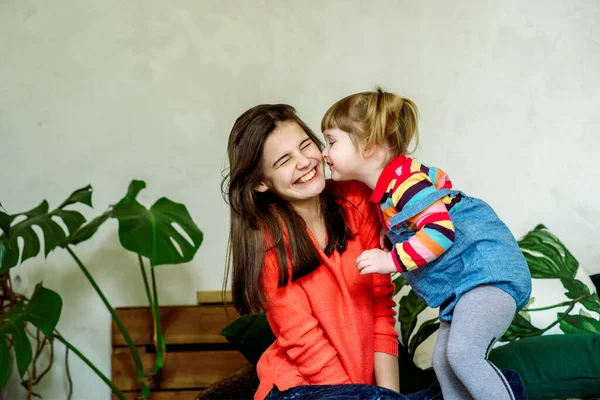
(435, 230)
(435, 235)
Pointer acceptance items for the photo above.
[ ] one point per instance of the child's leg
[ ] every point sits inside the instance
(452, 387)
(480, 317)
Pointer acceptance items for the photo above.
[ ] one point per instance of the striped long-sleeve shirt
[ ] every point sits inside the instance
(403, 183)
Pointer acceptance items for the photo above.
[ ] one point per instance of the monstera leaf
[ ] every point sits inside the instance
(546, 256)
(40, 216)
(43, 311)
(149, 233)
(399, 282)
(578, 323)
(427, 329)
(4, 222)
(2, 253)
(410, 308)
(520, 327)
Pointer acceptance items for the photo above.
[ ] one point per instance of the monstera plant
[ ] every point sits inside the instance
(155, 234)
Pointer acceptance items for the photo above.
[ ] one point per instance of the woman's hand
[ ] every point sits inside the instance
(375, 261)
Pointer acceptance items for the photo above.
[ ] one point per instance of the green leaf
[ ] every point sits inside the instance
(5, 364)
(21, 347)
(399, 282)
(2, 254)
(425, 330)
(520, 328)
(525, 315)
(410, 308)
(5, 223)
(575, 289)
(578, 324)
(53, 233)
(88, 230)
(592, 303)
(150, 233)
(547, 256)
(43, 311)
(83, 195)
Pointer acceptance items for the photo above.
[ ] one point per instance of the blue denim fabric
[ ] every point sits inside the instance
(484, 252)
(371, 392)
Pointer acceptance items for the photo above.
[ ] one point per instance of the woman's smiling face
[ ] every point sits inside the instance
(292, 165)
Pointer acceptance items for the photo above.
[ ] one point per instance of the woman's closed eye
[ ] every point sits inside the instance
(281, 162)
(306, 144)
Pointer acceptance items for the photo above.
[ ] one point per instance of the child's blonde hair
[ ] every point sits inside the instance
(376, 118)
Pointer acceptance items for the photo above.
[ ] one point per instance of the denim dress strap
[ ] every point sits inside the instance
(414, 209)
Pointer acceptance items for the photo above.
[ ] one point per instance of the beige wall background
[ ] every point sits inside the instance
(107, 92)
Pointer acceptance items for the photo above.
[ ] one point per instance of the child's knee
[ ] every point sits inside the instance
(462, 356)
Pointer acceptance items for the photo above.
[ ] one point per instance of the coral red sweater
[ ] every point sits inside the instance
(329, 324)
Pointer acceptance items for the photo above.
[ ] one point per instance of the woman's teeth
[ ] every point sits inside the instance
(307, 177)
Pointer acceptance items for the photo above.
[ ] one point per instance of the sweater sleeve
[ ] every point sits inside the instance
(435, 230)
(369, 228)
(386, 336)
(299, 333)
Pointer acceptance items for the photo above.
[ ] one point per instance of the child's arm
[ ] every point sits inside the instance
(435, 230)
(435, 235)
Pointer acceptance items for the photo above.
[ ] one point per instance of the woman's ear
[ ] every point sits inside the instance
(261, 187)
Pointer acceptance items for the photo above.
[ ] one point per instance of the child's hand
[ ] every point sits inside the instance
(375, 261)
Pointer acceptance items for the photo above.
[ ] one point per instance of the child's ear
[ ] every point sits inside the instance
(369, 151)
(261, 187)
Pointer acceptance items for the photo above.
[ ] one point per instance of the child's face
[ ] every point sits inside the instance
(344, 159)
(292, 165)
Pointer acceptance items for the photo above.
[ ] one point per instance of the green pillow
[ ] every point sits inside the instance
(251, 334)
(554, 366)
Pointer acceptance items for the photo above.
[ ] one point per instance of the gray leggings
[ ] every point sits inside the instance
(480, 318)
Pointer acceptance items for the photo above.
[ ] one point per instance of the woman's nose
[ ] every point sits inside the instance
(303, 162)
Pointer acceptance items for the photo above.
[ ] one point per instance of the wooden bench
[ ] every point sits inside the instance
(197, 355)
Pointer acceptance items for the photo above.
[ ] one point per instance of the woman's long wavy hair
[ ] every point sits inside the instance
(258, 220)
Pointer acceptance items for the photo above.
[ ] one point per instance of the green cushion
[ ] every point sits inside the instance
(554, 366)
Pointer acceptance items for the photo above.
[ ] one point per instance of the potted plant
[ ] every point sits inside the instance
(150, 233)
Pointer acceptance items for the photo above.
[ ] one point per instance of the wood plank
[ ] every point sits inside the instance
(182, 370)
(180, 324)
(213, 297)
(164, 395)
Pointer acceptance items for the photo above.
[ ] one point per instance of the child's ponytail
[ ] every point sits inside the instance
(390, 119)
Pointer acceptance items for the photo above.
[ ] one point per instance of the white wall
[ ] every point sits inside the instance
(106, 92)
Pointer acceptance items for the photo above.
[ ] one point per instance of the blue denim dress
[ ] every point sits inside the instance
(484, 252)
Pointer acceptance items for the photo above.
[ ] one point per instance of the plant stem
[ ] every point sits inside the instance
(159, 339)
(567, 311)
(134, 353)
(564, 303)
(146, 285)
(92, 366)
